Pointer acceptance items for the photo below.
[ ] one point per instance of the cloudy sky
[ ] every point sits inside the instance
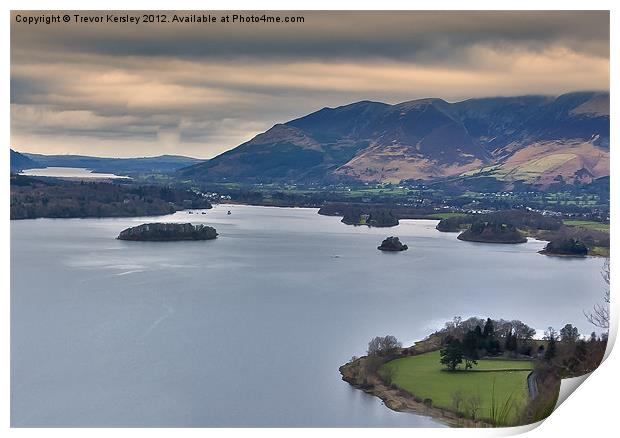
(199, 89)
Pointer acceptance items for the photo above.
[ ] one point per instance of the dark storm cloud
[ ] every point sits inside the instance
(200, 89)
(399, 35)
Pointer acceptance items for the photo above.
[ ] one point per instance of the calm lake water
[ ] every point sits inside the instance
(69, 172)
(250, 329)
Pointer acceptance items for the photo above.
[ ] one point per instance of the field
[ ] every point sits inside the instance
(405, 194)
(423, 376)
(445, 215)
(590, 225)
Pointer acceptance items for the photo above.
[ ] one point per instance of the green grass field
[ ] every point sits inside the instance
(590, 225)
(444, 215)
(423, 376)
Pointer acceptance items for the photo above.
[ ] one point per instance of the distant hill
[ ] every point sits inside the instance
(119, 166)
(21, 162)
(536, 140)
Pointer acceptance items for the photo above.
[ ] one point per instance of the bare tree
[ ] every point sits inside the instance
(551, 334)
(522, 331)
(380, 346)
(454, 324)
(599, 316)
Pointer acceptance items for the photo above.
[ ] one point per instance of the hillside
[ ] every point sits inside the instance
(21, 162)
(538, 140)
(119, 166)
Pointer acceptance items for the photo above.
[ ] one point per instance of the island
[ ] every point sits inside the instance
(492, 232)
(392, 244)
(162, 232)
(374, 215)
(565, 247)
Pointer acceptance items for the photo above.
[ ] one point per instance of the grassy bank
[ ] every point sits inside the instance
(496, 383)
(589, 225)
(445, 215)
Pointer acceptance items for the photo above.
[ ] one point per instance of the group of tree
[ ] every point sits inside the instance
(470, 339)
(566, 246)
(38, 197)
(504, 225)
(511, 218)
(573, 240)
(491, 231)
(570, 354)
(474, 338)
(383, 345)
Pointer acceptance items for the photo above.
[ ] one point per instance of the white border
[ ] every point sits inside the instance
(590, 411)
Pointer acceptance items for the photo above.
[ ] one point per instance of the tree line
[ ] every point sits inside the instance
(469, 340)
(37, 197)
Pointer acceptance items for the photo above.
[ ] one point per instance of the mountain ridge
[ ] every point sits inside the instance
(160, 163)
(20, 161)
(534, 139)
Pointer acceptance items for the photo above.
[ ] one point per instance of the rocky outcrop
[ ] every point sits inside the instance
(499, 141)
(168, 232)
(392, 244)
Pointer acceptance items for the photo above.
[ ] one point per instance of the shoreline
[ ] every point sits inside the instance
(529, 236)
(572, 256)
(362, 373)
(493, 242)
(247, 204)
(398, 399)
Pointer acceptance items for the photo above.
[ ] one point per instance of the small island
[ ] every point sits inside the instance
(565, 247)
(164, 232)
(392, 244)
(492, 232)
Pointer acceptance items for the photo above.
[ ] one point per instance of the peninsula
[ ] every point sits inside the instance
(476, 372)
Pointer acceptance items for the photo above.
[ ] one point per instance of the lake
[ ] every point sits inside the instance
(250, 329)
(69, 172)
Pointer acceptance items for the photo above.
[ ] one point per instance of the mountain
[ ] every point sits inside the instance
(119, 166)
(538, 140)
(21, 162)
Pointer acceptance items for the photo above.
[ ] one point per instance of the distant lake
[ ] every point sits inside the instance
(250, 329)
(68, 172)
